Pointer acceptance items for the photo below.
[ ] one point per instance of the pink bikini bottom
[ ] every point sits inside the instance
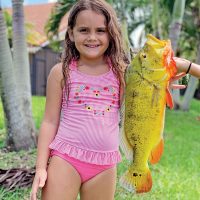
(85, 170)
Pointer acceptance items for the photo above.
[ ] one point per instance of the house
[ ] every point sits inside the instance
(42, 57)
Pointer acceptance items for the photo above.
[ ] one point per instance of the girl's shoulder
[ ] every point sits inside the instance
(56, 74)
(56, 71)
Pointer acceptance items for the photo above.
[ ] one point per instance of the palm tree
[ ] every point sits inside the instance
(174, 33)
(61, 8)
(20, 134)
(32, 36)
(191, 25)
(21, 63)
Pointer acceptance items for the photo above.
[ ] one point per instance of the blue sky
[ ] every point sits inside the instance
(7, 3)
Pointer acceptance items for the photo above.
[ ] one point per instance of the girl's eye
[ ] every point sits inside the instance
(83, 30)
(101, 30)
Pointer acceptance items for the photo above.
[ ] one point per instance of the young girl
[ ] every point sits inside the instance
(80, 126)
(80, 129)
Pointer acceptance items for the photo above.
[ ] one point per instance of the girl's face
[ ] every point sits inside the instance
(90, 35)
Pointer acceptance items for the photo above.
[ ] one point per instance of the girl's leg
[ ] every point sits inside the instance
(101, 187)
(63, 181)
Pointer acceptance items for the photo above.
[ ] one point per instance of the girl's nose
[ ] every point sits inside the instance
(92, 36)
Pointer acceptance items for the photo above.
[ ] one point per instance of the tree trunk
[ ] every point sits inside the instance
(174, 32)
(17, 137)
(189, 94)
(124, 29)
(192, 86)
(22, 67)
(155, 19)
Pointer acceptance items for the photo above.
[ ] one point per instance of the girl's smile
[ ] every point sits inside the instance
(91, 46)
(90, 35)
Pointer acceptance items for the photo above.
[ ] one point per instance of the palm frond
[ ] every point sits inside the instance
(61, 8)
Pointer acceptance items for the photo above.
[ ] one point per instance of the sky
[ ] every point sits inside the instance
(7, 3)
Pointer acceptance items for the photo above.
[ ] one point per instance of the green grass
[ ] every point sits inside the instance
(38, 104)
(175, 177)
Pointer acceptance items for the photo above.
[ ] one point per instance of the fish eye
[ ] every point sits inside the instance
(144, 55)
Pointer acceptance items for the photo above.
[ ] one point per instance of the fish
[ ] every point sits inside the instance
(143, 111)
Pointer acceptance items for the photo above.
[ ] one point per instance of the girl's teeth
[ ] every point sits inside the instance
(92, 46)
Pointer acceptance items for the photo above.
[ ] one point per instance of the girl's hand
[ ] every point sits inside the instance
(39, 181)
(175, 78)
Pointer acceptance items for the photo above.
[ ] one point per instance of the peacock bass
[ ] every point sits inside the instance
(146, 96)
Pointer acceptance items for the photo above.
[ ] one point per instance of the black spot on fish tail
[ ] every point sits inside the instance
(135, 174)
(144, 55)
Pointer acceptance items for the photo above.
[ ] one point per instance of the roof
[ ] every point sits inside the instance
(37, 15)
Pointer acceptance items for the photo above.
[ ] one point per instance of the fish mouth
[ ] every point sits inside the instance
(156, 40)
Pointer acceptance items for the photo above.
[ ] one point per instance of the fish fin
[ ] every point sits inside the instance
(168, 60)
(171, 68)
(156, 153)
(125, 147)
(169, 99)
(138, 182)
(124, 144)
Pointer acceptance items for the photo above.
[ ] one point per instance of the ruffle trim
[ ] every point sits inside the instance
(98, 158)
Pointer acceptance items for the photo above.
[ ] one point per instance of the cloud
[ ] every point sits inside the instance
(51, 1)
(26, 2)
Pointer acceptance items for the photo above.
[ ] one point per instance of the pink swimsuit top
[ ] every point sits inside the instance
(88, 128)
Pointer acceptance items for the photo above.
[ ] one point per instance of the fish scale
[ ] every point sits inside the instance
(143, 111)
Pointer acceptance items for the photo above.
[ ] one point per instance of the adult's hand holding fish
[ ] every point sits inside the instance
(184, 65)
(175, 78)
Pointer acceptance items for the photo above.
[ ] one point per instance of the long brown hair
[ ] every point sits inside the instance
(115, 50)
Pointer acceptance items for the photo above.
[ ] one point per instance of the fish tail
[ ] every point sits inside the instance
(134, 181)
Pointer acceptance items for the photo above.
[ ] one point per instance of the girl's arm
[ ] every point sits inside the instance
(48, 127)
(51, 118)
(183, 64)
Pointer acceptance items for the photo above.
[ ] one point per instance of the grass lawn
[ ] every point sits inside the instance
(176, 176)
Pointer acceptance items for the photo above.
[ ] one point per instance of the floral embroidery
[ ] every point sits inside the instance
(106, 88)
(87, 87)
(98, 112)
(88, 107)
(76, 95)
(79, 101)
(108, 108)
(97, 93)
